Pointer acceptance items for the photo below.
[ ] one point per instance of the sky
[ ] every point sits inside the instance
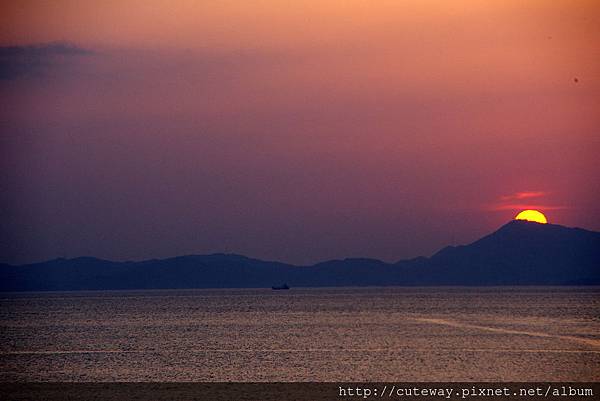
(295, 132)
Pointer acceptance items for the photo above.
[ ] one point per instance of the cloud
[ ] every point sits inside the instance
(35, 60)
(524, 200)
(523, 195)
(524, 206)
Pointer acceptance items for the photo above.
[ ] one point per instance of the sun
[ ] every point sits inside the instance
(532, 215)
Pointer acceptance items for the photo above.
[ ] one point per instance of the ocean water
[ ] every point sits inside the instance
(320, 334)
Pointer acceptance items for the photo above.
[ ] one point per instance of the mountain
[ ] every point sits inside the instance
(522, 253)
(519, 253)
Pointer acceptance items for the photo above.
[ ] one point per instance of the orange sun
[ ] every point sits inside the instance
(532, 215)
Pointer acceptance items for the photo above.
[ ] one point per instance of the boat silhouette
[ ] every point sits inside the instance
(281, 287)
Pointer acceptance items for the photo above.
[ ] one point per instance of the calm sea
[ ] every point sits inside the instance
(325, 334)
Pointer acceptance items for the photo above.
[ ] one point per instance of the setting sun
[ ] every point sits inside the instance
(532, 215)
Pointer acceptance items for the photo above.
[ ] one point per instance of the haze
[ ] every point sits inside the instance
(300, 133)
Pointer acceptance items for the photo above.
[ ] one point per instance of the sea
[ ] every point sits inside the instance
(303, 334)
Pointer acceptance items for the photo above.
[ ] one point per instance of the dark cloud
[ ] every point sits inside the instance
(35, 60)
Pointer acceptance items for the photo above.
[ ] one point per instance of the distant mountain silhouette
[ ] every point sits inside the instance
(519, 253)
(525, 253)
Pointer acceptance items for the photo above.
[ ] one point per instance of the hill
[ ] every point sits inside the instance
(519, 253)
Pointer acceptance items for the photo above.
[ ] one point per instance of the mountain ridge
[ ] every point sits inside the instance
(518, 253)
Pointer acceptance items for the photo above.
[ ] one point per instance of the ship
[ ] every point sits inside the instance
(281, 287)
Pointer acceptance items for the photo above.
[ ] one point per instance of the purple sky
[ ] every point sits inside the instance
(315, 132)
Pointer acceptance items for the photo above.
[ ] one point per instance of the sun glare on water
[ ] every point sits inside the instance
(532, 215)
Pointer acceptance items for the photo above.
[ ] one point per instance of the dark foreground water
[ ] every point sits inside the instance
(345, 334)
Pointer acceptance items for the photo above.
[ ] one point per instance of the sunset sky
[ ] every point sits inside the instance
(293, 131)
